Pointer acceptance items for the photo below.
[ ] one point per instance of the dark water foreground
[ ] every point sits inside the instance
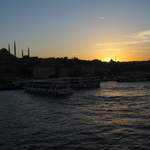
(115, 117)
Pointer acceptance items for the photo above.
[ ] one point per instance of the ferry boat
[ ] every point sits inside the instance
(84, 82)
(61, 86)
(48, 87)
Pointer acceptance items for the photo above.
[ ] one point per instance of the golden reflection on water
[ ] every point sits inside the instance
(117, 105)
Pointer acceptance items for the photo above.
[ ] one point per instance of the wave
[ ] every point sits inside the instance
(113, 97)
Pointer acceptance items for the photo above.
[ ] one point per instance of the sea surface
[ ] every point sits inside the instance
(113, 117)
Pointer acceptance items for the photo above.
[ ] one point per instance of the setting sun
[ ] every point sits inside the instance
(108, 59)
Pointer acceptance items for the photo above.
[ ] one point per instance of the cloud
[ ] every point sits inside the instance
(134, 39)
(144, 35)
(111, 49)
(120, 43)
(100, 18)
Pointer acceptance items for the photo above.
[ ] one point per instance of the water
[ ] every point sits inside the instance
(115, 117)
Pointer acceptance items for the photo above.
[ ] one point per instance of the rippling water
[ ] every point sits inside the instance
(115, 117)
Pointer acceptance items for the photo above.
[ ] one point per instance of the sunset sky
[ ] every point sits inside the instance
(88, 29)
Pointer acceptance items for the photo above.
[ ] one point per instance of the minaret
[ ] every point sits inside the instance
(22, 53)
(14, 48)
(9, 48)
(28, 52)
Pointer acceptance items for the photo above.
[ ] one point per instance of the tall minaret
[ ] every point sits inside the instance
(28, 52)
(22, 53)
(14, 48)
(9, 48)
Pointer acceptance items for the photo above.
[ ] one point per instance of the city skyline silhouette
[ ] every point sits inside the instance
(87, 29)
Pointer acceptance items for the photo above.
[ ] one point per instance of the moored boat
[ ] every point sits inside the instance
(50, 87)
(84, 82)
(61, 86)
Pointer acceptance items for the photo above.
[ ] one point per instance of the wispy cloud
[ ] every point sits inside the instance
(100, 18)
(143, 35)
(111, 49)
(137, 38)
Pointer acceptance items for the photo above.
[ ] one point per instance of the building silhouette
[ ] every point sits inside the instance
(15, 48)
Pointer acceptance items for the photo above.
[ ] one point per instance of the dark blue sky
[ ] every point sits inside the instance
(83, 28)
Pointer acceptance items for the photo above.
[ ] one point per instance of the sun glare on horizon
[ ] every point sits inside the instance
(108, 59)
